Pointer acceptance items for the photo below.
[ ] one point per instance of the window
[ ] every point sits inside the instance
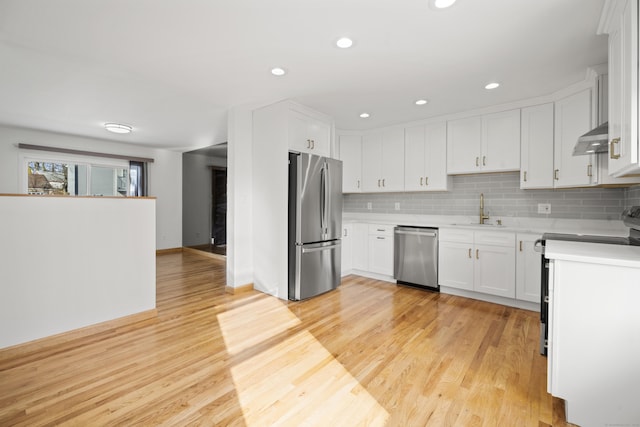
(85, 179)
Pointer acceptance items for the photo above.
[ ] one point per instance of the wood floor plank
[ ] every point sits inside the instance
(370, 353)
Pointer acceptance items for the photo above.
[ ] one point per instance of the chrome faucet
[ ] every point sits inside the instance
(483, 217)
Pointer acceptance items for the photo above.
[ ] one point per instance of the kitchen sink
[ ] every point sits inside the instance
(476, 224)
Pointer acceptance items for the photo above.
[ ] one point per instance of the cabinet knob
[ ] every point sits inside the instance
(612, 144)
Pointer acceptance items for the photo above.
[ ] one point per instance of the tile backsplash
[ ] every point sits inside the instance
(503, 198)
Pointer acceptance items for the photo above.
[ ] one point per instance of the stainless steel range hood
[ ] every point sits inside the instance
(594, 141)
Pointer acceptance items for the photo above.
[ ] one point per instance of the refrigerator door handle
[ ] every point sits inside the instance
(327, 199)
(323, 199)
(320, 248)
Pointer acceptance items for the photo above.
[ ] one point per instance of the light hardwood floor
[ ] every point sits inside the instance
(370, 353)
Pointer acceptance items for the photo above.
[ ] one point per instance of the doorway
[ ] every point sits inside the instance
(219, 210)
(204, 200)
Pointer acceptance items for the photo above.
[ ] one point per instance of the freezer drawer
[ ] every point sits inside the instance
(416, 256)
(317, 269)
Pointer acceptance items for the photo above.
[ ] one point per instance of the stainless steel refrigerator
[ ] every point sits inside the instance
(315, 224)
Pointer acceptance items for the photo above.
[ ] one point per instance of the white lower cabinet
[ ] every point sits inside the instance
(381, 249)
(455, 264)
(360, 246)
(347, 251)
(528, 268)
(480, 261)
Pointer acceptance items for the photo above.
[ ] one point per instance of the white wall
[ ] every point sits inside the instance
(70, 262)
(165, 174)
(240, 252)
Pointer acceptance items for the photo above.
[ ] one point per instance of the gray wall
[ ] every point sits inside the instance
(503, 198)
(196, 197)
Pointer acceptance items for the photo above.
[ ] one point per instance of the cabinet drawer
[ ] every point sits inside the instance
(456, 235)
(381, 230)
(495, 238)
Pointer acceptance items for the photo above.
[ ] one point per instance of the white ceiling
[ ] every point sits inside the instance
(172, 69)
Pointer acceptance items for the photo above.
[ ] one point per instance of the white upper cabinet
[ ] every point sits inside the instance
(536, 150)
(425, 155)
(572, 119)
(501, 141)
(351, 156)
(309, 134)
(488, 143)
(383, 161)
(464, 142)
(621, 23)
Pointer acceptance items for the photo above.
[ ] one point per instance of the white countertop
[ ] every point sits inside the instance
(509, 224)
(594, 253)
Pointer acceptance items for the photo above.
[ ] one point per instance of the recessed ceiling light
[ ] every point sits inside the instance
(492, 86)
(421, 102)
(591, 151)
(344, 43)
(443, 4)
(365, 115)
(117, 128)
(277, 71)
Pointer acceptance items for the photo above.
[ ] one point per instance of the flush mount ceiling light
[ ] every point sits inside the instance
(117, 128)
(442, 4)
(492, 86)
(365, 115)
(344, 43)
(277, 71)
(421, 102)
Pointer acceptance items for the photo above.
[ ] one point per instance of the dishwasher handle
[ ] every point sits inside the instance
(416, 233)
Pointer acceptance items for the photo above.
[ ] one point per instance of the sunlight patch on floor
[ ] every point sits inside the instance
(294, 381)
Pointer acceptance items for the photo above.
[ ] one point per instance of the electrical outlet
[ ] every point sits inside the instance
(397, 206)
(369, 206)
(544, 208)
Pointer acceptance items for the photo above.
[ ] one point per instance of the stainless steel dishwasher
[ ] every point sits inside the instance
(416, 256)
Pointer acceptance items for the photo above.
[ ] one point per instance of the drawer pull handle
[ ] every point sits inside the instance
(484, 160)
(555, 174)
(612, 144)
(421, 181)
(469, 252)
(520, 245)
(477, 253)
(525, 176)
(477, 161)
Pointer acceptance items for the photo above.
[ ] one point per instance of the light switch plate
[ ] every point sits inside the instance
(544, 208)
(369, 205)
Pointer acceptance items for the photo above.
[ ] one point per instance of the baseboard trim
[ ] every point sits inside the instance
(239, 289)
(168, 251)
(204, 253)
(20, 350)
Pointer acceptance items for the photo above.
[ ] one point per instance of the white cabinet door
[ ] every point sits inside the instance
(347, 249)
(392, 160)
(528, 268)
(501, 141)
(383, 161)
(381, 254)
(455, 265)
(425, 156)
(351, 156)
(624, 151)
(360, 246)
(536, 156)
(372, 163)
(414, 158)
(495, 270)
(572, 119)
(435, 175)
(464, 140)
(308, 134)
